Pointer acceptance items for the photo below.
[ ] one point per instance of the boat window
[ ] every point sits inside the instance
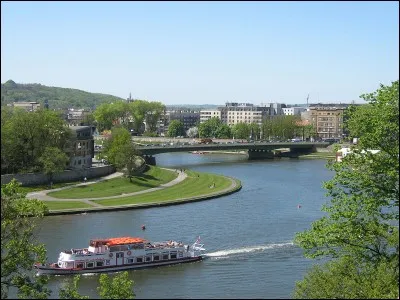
(123, 248)
(119, 255)
(79, 265)
(99, 264)
(173, 256)
(90, 265)
(148, 258)
(130, 260)
(138, 246)
(165, 256)
(156, 257)
(139, 259)
(107, 262)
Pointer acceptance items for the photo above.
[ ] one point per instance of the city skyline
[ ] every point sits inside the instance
(204, 52)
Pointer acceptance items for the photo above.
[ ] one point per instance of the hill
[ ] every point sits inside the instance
(57, 97)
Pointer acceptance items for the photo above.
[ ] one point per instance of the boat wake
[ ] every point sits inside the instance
(227, 253)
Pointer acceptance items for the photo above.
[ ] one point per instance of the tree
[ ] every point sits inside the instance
(120, 287)
(127, 159)
(241, 130)
(53, 160)
(25, 135)
(192, 132)
(115, 143)
(71, 291)
(152, 116)
(176, 128)
(209, 128)
(346, 279)
(254, 131)
(362, 216)
(19, 250)
(223, 132)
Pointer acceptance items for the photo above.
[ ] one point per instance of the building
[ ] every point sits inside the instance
(76, 117)
(233, 113)
(188, 118)
(208, 114)
(81, 150)
(327, 119)
(28, 106)
(292, 111)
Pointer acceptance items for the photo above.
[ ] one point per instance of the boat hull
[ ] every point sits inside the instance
(47, 270)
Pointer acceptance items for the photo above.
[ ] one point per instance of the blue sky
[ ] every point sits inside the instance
(204, 52)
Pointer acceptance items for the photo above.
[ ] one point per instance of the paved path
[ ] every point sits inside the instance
(42, 195)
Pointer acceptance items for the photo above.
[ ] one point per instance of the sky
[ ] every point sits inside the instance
(208, 52)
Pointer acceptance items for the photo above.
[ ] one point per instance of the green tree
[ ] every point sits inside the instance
(223, 132)
(153, 112)
(138, 109)
(255, 130)
(120, 287)
(345, 278)
(241, 130)
(362, 216)
(53, 161)
(25, 135)
(209, 128)
(127, 159)
(176, 128)
(19, 250)
(115, 143)
(71, 291)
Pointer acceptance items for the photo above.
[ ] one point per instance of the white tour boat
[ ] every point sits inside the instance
(121, 253)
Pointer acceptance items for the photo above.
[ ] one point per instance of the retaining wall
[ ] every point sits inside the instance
(66, 176)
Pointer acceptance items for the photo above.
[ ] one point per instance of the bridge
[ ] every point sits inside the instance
(256, 150)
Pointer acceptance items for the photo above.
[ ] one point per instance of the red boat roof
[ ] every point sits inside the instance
(121, 240)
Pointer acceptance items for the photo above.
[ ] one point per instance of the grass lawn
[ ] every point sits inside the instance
(36, 188)
(153, 177)
(55, 205)
(196, 184)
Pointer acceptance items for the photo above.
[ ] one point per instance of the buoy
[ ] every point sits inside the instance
(143, 227)
(298, 206)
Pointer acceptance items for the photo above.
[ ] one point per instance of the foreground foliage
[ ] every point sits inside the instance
(19, 250)
(362, 220)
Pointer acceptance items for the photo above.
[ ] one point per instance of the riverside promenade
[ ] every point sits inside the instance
(42, 195)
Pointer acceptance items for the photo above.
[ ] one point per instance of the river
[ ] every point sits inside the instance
(248, 235)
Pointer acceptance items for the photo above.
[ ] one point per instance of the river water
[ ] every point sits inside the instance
(248, 235)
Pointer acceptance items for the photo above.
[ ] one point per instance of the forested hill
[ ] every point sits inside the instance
(57, 97)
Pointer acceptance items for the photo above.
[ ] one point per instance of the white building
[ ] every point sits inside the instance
(293, 111)
(208, 114)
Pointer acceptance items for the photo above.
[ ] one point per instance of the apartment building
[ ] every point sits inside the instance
(233, 113)
(293, 111)
(208, 114)
(189, 118)
(327, 119)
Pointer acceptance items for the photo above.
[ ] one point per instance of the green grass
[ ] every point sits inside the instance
(36, 188)
(153, 177)
(56, 205)
(196, 184)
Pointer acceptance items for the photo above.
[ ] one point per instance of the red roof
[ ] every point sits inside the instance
(121, 240)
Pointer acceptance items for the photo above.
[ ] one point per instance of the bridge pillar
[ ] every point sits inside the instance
(260, 154)
(150, 160)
